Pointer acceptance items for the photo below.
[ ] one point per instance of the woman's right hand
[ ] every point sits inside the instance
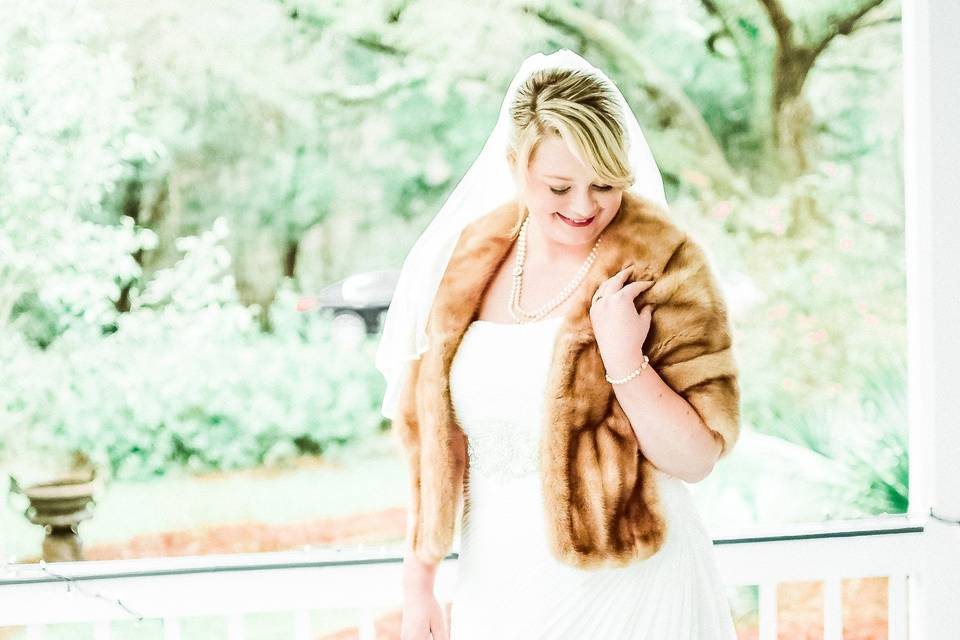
(422, 617)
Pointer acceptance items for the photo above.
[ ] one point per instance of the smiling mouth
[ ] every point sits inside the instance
(576, 223)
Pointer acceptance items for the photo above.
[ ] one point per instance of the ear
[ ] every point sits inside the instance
(512, 164)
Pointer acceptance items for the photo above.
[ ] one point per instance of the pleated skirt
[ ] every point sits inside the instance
(509, 586)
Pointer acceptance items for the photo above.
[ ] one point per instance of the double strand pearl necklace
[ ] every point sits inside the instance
(514, 305)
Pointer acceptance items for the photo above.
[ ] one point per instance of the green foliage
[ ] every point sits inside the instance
(872, 443)
(815, 277)
(187, 380)
(351, 124)
(62, 149)
(851, 455)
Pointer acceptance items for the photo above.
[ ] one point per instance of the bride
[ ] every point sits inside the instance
(559, 363)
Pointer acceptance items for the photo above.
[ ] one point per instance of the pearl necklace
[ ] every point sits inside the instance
(514, 306)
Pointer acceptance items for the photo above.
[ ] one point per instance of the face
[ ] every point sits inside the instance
(561, 191)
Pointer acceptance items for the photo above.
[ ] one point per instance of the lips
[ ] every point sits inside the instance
(575, 223)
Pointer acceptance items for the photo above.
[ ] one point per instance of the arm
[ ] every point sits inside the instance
(684, 407)
(429, 456)
(418, 576)
(670, 431)
(422, 615)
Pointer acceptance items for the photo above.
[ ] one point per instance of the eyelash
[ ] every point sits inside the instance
(561, 192)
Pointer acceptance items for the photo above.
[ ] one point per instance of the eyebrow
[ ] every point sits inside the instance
(559, 178)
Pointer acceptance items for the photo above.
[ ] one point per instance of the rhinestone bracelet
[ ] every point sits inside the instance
(633, 374)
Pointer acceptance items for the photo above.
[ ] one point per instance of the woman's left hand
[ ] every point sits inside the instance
(620, 330)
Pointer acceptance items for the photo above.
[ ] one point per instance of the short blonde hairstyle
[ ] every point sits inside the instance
(579, 107)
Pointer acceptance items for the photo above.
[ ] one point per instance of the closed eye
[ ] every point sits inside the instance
(604, 187)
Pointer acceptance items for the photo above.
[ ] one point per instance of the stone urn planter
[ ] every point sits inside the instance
(59, 504)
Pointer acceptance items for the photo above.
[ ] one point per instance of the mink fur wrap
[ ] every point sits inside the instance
(602, 507)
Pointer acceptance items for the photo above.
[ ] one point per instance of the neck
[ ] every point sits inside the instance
(542, 250)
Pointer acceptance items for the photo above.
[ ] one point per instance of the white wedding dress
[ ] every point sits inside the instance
(508, 585)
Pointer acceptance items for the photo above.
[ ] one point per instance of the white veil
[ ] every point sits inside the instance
(486, 185)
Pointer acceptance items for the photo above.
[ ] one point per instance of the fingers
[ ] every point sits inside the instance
(634, 289)
(614, 282)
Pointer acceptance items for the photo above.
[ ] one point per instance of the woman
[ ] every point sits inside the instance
(525, 385)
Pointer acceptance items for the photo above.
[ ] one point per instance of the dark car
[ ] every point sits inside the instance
(360, 299)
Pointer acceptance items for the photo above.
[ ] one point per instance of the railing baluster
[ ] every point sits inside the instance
(235, 627)
(302, 626)
(832, 609)
(897, 623)
(102, 630)
(171, 628)
(368, 629)
(36, 632)
(768, 610)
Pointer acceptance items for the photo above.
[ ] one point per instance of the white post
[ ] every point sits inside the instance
(767, 602)
(932, 154)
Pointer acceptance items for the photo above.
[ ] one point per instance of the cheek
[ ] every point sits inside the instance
(540, 203)
(610, 202)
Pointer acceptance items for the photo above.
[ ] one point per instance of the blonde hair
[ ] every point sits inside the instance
(579, 107)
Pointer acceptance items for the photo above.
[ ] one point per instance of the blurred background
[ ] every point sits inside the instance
(203, 208)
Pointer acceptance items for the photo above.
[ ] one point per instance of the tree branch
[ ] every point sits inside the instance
(370, 93)
(666, 94)
(736, 36)
(862, 26)
(844, 25)
(780, 21)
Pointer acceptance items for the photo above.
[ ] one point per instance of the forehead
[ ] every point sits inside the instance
(552, 159)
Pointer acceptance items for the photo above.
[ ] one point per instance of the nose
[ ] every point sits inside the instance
(585, 205)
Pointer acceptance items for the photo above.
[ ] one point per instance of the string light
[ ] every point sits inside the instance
(942, 518)
(10, 568)
(73, 586)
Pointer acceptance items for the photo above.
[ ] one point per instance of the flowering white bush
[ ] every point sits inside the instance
(193, 383)
(66, 135)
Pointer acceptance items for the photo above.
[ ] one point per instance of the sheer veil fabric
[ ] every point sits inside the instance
(486, 184)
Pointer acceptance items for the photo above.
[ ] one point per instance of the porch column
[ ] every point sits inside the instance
(932, 181)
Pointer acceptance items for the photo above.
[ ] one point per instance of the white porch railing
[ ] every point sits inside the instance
(299, 582)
